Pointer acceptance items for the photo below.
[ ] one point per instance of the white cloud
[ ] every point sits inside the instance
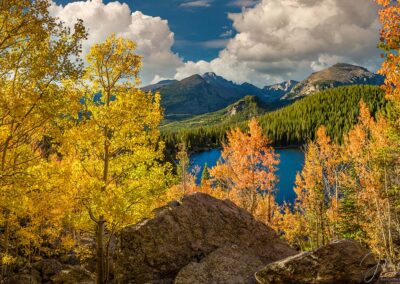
(198, 3)
(152, 34)
(274, 40)
(288, 39)
(243, 3)
(227, 33)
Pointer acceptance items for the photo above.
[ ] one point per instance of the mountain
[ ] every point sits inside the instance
(340, 74)
(240, 110)
(200, 94)
(277, 91)
(158, 85)
(337, 109)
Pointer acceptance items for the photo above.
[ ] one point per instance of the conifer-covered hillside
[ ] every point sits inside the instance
(336, 108)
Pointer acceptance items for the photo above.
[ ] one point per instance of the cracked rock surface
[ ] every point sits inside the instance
(193, 234)
(344, 261)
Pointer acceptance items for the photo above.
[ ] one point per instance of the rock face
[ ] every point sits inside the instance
(277, 91)
(344, 261)
(21, 279)
(200, 233)
(199, 94)
(73, 275)
(48, 268)
(51, 271)
(227, 264)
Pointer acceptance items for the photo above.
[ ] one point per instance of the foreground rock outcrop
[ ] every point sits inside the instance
(344, 261)
(227, 264)
(51, 271)
(198, 240)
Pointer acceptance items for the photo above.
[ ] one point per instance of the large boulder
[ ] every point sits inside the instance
(186, 232)
(73, 275)
(48, 268)
(21, 279)
(344, 261)
(228, 264)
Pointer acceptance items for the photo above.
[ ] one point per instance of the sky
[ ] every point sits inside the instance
(257, 41)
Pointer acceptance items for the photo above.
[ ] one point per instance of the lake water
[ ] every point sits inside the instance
(291, 162)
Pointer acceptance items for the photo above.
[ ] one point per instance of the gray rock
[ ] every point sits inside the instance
(49, 268)
(70, 259)
(73, 275)
(21, 279)
(389, 277)
(156, 250)
(344, 261)
(225, 265)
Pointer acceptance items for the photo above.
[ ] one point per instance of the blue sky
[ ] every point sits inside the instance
(257, 41)
(201, 27)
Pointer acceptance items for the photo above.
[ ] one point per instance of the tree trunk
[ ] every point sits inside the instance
(269, 209)
(100, 251)
(6, 240)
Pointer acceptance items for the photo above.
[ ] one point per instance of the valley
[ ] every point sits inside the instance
(293, 125)
(200, 109)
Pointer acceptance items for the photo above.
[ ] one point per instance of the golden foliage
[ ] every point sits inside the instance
(35, 57)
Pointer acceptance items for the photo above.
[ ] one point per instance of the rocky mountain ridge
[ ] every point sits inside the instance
(200, 94)
(277, 91)
(197, 94)
(340, 74)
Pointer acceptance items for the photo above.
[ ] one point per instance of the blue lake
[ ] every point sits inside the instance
(291, 162)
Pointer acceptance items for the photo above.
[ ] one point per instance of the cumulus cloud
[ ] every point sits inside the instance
(198, 3)
(273, 39)
(288, 39)
(152, 34)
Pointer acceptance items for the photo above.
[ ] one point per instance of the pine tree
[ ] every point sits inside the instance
(205, 175)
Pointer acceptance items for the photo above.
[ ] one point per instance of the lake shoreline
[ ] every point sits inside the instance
(198, 150)
(291, 162)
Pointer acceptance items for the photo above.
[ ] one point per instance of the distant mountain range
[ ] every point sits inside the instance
(340, 74)
(200, 94)
(243, 109)
(208, 93)
(277, 91)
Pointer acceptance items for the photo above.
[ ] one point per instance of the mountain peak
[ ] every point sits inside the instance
(210, 75)
(341, 65)
(283, 86)
(158, 85)
(194, 76)
(340, 74)
(167, 81)
(277, 91)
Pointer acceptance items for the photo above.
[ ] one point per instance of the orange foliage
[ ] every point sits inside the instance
(390, 43)
(317, 190)
(246, 175)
